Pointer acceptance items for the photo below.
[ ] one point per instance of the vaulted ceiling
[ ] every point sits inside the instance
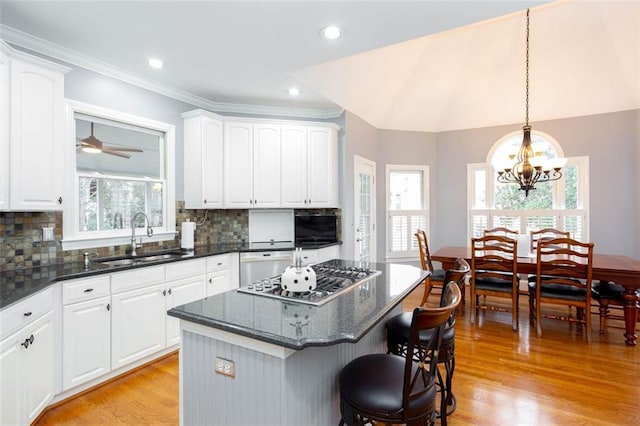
(410, 65)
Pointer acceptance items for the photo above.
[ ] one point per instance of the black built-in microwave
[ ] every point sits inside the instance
(316, 229)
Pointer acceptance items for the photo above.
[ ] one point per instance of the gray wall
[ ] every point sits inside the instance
(611, 141)
(410, 148)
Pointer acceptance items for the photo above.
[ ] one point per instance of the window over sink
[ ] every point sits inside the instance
(121, 164)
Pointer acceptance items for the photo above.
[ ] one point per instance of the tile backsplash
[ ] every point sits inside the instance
(21, 242)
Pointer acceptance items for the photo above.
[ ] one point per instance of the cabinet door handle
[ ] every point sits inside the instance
(169, 291)
(60, 200)
(89, 290)
(164, 292)
(28, 341)
(108, 306)
(205, 201)
(219, 263)
(210, 280)
(27, 314)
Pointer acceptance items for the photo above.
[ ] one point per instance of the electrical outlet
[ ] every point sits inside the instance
(47, 234)
(225, 367)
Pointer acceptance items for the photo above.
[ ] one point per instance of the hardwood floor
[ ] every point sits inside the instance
(502, 377)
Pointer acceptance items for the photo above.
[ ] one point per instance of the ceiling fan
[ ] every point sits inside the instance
(94, 145)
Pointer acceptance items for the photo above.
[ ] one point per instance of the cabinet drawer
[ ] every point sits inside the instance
(22, 313)
(185, 269)
(84, 289)
(137, 278)
(219, 262)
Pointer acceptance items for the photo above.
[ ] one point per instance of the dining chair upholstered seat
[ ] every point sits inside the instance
(563, 277)
(398, 330)
(609, 294)
(494, 265)
(387, 388)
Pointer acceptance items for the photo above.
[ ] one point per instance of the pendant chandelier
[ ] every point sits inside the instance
(528, 167)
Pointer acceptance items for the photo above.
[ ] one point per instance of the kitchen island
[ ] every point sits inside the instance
(253, 360)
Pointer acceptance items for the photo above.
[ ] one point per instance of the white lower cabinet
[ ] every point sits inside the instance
(138, 325)
(178, 293)
(222, 273)
(86, 341)
(27, 371)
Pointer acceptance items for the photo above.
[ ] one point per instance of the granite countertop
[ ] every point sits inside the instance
(293, 325)
(18, 283)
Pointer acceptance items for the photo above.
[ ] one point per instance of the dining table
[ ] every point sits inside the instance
(620, 269)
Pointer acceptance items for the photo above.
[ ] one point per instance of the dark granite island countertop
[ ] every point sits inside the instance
(295, 325)
(253, 360)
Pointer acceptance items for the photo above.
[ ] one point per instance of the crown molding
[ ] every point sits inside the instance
(44, 47)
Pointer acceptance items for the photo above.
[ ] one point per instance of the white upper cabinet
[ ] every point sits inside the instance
(309, 167)
(36, 133)
(203, 160)
(251, 165)
(243, 163)
(266, 165)
(238, 167)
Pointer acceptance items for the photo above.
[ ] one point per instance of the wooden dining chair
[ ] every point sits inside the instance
(501, 231)
(563, 277)
(608, 296)
(437, 275)
(542, 235)
(546, 234)
(494, 265)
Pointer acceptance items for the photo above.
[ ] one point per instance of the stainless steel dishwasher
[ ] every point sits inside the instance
(258, 265)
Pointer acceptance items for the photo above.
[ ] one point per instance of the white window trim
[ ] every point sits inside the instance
(74, 240)
(409, 255)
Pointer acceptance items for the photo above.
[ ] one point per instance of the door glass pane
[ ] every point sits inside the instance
(364, 221)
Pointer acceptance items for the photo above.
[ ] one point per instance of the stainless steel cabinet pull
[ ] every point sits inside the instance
(89, 290)
(108, 306)
(60, 200)
(27, 314)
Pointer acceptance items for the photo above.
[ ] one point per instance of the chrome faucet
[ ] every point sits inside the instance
(133, 231)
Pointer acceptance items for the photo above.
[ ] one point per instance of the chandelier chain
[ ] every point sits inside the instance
(527, 74)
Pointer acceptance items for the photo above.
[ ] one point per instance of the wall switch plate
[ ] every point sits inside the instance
(225, 367)
(47, 234)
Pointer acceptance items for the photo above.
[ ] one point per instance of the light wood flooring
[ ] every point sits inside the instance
(502, 378)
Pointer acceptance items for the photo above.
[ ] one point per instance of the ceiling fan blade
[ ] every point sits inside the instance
(117, 148)
(116, 153)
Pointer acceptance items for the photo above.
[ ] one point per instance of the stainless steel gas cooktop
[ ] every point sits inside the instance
(332, 278)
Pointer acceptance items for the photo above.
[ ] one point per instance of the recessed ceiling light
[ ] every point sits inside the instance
(155, 63)
(331, 32)
(294, 91)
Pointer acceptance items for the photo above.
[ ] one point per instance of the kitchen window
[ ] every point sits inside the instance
(407, 208)
(562, 204)
(122, 164)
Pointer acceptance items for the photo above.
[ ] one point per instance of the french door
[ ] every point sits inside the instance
(364, 201)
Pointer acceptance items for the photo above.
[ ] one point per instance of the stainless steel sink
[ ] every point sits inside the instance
(142, 259)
